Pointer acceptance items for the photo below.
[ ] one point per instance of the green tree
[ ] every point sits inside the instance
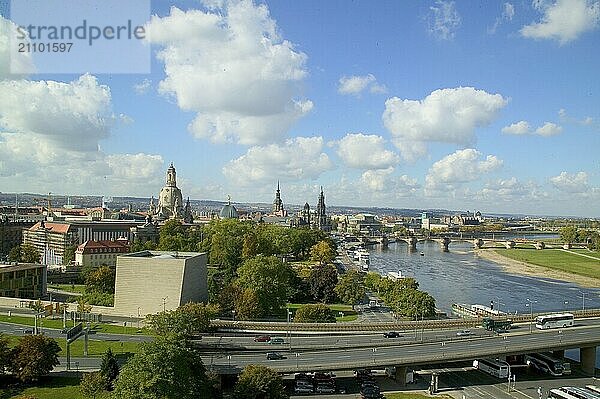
(163, 369)
(33, 357)
(270, 279)
(69, 255)
(371, 281)
(83, 306)
(568, 234)
(14, 255)
(185, 321)
(92, 384)
(314, 313)
(260, 382)
(350, 287)
(5, 354)
(322, 281)
(322, 252)
(224, 240)
(101, 279)
(109, 369)
(29, 254)
(247, 304)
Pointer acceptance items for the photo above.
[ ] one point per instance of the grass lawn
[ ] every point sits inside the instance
(555, 259)
(58, 324)
(76, 288)
(47, 388)
(95, 348)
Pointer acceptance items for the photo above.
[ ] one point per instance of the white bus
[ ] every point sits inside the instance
(554, 321)
(558, 394)
(580, 393)
(546, 363)
(493, 367)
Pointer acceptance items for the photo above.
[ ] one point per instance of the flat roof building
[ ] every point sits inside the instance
(152, 281)
(23, 280)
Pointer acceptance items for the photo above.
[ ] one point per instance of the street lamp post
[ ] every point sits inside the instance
(583, 301)
(289, 316)
(139, 315)
(297, 355)
(233, 315)
(530, 305)
(165, 303)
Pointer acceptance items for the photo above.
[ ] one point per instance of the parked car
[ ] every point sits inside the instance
(304, 386)
(262, 338)
(276, 340)
(464, 333)
(28, 331)
(274, 356)
(391, 334)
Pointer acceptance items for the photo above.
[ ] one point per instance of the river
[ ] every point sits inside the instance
(460, 276)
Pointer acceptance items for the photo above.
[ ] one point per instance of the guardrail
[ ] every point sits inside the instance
(349, 327)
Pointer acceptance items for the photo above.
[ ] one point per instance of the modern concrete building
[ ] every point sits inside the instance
(153, 281)
(23, 280)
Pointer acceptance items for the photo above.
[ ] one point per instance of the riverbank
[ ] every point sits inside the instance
(528, 269)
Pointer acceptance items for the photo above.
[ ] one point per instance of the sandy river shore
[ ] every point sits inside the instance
(516, 267)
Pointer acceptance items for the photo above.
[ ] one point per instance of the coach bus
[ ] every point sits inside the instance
(548, 364)
(554, 321)
(493, 367)
(579, 393)
(558, 394)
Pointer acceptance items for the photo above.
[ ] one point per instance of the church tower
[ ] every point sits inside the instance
(188, 217)
(321, 221)
(277, 208)
(171, 176)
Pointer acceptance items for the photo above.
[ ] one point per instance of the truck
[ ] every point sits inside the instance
(496, 325)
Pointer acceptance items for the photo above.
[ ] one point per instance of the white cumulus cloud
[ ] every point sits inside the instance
(22, 64)
(523, 128)
(49, 140)
(296, 159)
(445, 115)
(357, 84)
(444, 20)
(571, 183)
(461, 167)
(563, 20)
(510, 190)
(363, 151)
(384, 181)
(231, 67)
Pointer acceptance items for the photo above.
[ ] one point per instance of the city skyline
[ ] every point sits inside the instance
(406, 105)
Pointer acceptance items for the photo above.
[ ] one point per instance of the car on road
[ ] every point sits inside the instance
(464, 333)
(276, 340)
(391, 334)
(274, 356)
(262, 338)
(28, 331)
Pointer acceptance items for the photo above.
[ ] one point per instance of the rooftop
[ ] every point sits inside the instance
(15, 267)
(163, 254)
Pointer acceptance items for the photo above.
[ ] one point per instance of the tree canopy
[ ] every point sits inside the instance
(25, 253)
(314, 313)
(185, 321)
(270, 279)
(350, 287)
(33, 357)
(322, 281)
(322, 252)
(260, 382)
(163, 369)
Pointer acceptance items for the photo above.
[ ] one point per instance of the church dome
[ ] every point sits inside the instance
(228, 211)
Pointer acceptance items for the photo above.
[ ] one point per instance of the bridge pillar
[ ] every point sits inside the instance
(412, 243)
(444, 243)
(478, 243)
(400, 376)
(588, 359)
(539, 245)
(510, 244)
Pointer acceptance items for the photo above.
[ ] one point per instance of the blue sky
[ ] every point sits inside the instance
(421, 104)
